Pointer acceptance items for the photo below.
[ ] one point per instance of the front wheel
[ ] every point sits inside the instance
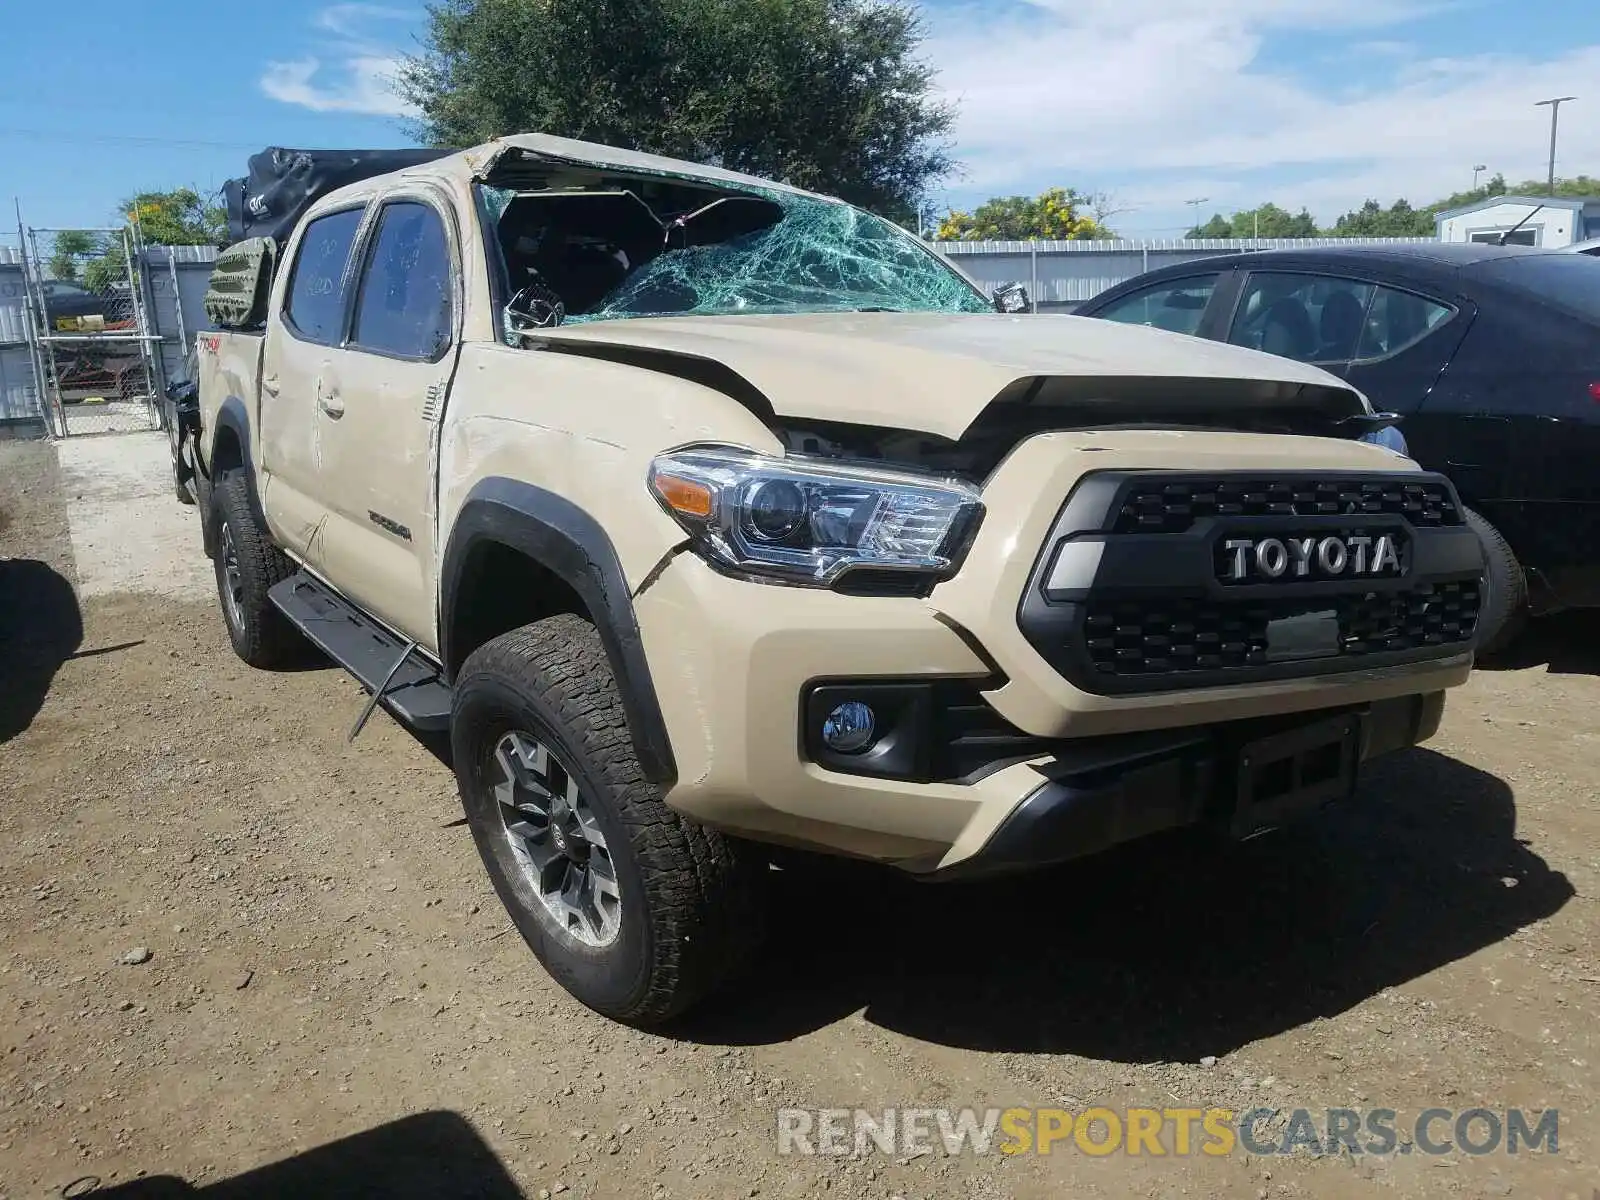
(633, 909)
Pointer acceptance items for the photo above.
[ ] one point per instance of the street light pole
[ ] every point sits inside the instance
(1195, 204)
(1555, 114)
(1476, 171)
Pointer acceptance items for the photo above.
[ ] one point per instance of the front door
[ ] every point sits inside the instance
(381, 396)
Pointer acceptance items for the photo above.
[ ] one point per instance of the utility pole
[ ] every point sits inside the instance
(1555, 114)
(1476, 171)
(1195, 204)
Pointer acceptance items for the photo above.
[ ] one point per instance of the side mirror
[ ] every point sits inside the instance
(1012, 298)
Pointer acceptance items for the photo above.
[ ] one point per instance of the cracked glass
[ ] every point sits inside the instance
(820, 257)
(805, 255)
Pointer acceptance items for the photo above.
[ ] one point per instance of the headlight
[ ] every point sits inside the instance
(809, 521)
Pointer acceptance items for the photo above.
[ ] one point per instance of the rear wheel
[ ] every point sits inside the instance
(247, 566)
(1505, 605)
(636, 911)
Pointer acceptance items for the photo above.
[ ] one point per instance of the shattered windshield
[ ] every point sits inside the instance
(575, 258)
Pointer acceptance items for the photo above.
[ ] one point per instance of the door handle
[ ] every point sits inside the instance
(330, 403)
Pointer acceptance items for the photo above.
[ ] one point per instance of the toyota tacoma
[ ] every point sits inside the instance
(707, 515)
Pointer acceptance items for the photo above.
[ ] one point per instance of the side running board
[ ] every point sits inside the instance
(412, 691)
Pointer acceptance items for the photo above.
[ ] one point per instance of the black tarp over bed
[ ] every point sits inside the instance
(282, 184)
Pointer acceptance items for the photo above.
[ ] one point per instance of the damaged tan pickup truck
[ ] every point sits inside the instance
(707, 514)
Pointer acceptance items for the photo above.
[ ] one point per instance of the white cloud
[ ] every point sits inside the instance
(1164, 100)
(359, 76)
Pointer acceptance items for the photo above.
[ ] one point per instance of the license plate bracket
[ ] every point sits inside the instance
(1292, 774)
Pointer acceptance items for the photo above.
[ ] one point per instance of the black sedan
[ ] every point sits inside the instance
(1491, 354)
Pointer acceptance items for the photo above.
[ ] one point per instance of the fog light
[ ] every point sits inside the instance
(849, 728)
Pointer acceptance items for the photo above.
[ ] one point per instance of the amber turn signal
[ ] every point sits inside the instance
(684, 496)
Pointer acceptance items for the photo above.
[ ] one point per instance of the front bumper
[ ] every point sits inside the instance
(1129, 788)
(732, 662)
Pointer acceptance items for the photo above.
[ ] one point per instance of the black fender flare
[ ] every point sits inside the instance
(234, 417)
(568, 542)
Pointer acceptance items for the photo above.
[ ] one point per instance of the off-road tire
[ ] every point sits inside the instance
(260, 634)
(692, 900)
(1505, 605)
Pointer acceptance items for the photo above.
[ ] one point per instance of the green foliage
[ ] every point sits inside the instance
(1053, 215)
(1372, 219)
(72, 246)
(823, 94)
(1268, 221)
(177, 218)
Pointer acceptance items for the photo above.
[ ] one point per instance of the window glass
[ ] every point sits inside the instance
(1176, 305)
(1398, 320)
(317, 291)
(1515, 237)
(1312, 318)
(404, 305)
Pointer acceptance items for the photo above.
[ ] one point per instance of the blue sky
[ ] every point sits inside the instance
(1305, 102)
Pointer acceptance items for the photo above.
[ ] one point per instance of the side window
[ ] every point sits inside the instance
(1311, 318)
(1399, 320)
(404, 305)
(315, 307)
(1176, 305)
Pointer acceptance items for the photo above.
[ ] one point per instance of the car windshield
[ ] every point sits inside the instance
(1568, 281)
(820, 257)
(610, 255)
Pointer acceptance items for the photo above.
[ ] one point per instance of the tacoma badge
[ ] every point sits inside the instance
(1305, 558)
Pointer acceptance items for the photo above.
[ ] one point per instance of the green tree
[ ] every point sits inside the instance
(1268, 221)
(72, 248)
(1218, 227)
(1053, 215)
(177, 218)
(1373, 220)
(824, 94)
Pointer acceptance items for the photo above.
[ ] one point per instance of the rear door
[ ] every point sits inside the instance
(384, 390)
(1390, 341)
(304, 330)
(1525, 398)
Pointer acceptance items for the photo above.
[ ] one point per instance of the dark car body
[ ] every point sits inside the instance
(1491, 355)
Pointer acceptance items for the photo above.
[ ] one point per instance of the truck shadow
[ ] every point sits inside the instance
(41, 626)
(1162, 952)
(430, 1156)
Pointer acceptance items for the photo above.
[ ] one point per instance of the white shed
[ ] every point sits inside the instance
(1551, 222)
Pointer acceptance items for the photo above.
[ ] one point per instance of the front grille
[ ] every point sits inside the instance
(1155, 505)
(1178, 637)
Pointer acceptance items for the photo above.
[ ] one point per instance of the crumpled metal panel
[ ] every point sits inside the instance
(821, 257)
(237, 294)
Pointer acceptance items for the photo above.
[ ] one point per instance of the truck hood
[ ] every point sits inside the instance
(937, 372)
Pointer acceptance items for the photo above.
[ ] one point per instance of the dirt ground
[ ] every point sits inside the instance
(331, 1001)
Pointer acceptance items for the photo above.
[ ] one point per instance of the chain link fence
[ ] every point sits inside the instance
(86, 317)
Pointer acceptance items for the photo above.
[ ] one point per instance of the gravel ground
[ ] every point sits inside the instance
(242, 957)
